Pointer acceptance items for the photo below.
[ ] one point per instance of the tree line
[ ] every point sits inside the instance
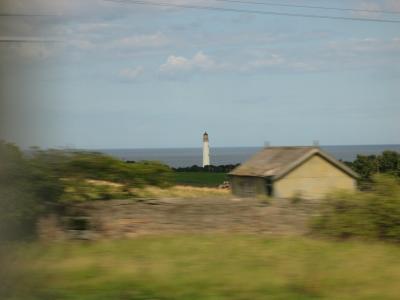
(388, 162)
(210, 168)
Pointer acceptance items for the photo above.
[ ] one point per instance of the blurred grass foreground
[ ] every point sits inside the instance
(202, 267)
(205, 267)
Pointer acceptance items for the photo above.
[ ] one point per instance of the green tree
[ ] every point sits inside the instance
(365, 166)
(368, 165)
(389, 162)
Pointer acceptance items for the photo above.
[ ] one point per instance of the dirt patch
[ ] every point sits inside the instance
(117, 219)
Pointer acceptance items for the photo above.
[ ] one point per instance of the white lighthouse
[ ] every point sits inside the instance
(206, 150)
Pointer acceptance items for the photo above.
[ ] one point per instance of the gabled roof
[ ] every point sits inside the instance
(276, 162)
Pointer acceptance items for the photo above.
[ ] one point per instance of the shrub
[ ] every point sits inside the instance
(373, 214)
(86, 190)
(32, 184)
(26, 191)
(93, 165)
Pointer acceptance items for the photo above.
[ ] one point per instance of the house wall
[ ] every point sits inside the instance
(313, 179)
(247, 186)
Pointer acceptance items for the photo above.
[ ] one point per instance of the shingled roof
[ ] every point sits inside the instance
(276, 162)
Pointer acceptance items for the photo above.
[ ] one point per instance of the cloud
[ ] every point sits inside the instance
(276, 63)
(131, 74)
(355, 47)
(79, 25)
(373, 5)
(81, 44)
(178, 64)
(156, 40)
(358, 53)
(93, 27)
(266, 62)
(369, 7)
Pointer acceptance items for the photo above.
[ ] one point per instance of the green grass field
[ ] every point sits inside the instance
(206, 179)
(202, 267)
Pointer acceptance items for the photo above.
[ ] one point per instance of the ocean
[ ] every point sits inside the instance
(184, 157)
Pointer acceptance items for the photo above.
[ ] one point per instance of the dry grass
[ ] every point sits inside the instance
(104, 183)
(77, 190)
(177, 191)
(186, 192)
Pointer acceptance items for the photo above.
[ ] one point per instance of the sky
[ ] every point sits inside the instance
(102, 74)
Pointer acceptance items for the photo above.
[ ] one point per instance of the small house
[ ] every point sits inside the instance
(285, 172)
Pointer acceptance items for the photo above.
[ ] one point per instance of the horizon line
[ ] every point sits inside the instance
(199, 147)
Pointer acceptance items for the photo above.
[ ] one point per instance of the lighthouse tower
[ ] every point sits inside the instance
(206, 150)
